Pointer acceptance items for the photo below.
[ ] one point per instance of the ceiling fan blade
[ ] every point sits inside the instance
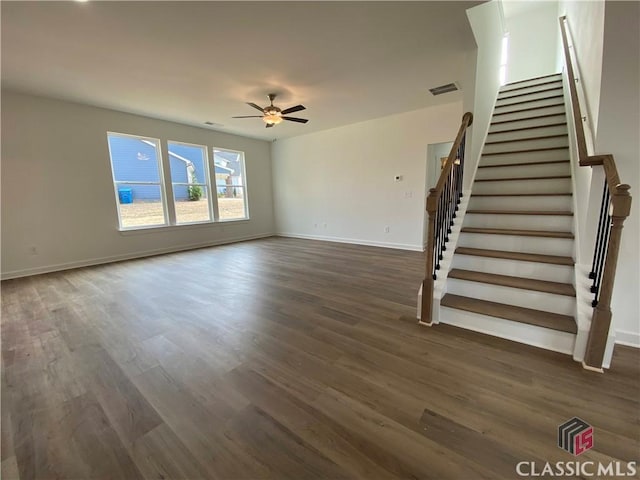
(255, 106)
(294, 119)
(297, 108)
(269, 125)
(249, 116)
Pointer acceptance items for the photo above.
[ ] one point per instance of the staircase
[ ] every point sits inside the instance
(512, 272)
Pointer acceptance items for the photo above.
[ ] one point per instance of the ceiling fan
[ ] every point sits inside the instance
(272, 115)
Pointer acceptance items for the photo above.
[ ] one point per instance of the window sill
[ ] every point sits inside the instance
(182, 226)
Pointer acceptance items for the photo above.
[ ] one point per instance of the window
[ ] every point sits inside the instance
(503, 59)
(230, 184)
(137, 178)
(141, 194)
(190, 181)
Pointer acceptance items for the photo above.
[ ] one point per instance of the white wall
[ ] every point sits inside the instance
(533, 40)
(57, 191)
(339, 184)
(618, 130)
(487, 24)
(586, 28)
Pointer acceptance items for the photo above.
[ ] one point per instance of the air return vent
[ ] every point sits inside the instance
(449, 87)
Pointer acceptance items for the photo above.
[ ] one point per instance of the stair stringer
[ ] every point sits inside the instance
(440, 284)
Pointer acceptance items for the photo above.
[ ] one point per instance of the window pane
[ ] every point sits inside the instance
(136, 166)
(134, 159)
(188, 169)
(192, 203)
(140, 205)
(230, 184)
(231, 203)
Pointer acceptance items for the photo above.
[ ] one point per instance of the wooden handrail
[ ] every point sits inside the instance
(467, 120)
(452, 171)
(616, 207)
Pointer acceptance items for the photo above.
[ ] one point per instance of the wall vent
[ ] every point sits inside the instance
(449, 87)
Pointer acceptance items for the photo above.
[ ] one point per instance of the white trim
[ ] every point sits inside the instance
(118, 258)
(592, 369)
(179, 226)
(354, 241)
(630, 339)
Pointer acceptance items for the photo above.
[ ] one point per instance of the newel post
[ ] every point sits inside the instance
(601, 320)
(426, 312)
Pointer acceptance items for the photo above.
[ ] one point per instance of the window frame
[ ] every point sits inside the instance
(211, 202)
(244, 184)
(160, 183)
(166, 187)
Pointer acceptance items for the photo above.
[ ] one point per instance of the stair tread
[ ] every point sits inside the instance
(545, 162)
(549, 89)
(559, 80)
(555, 288)
(525, 233)
(530, 316)
(528, 150)
(497, 142)
(522, 212)
(510, 179)
(525, 257)
(556, 194)
(535, 117)
(529, 101)
(534, 127)
(557, 74)
(530, 108)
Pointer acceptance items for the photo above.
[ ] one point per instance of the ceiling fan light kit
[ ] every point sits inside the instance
(272, 115)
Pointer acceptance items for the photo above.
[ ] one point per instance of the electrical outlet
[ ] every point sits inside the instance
(324, 225)
(315, 225)
(33, 250)
(386, 229)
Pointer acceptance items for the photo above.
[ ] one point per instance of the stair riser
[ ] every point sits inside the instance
(534, 122)
(515, 268)
(524, 134)
(547, 302)
(534, 88)
(524, 186)
(532, 82)
(519, 332)
(555, 110)
(535, 95)
(535, 104)
(518, 243)
(524, 157)
(552, 223)
(556, 203)
(545, 170)
(553, 142)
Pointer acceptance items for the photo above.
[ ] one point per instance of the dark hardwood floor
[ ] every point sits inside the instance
(281, 359)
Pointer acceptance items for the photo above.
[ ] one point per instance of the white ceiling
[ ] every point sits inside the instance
(193, 62)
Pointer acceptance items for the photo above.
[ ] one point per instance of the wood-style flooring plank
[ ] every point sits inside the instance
(280, 359)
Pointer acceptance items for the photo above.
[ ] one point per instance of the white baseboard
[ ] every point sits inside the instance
(630, 339)
(129, 256)
(353, 241)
